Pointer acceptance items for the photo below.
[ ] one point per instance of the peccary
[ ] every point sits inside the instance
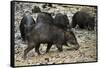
(62, 21)
(84, 20)
(26, 26)
(46, 32)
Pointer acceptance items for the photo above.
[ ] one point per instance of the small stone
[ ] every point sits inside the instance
(47, 59)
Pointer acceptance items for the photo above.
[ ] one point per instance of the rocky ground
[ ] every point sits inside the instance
(85, 38)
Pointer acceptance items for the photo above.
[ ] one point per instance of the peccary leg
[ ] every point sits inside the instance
(48, 47)
(66, 45)
(30, 47)
(59, 47)
(74, 24)
(81, 26)
(37, 48)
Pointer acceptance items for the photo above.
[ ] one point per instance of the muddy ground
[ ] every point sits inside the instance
(86, 39)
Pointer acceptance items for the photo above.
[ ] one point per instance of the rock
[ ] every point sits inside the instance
(47, 59)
